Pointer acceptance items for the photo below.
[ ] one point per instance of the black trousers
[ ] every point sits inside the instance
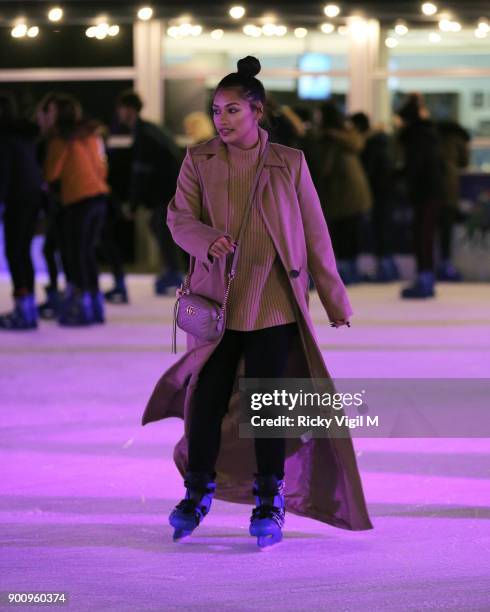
(426, 213)
(382, 223)
(171, 255)
(446, 221)
(83, 223)
(19, 226)
(266, 353)
(346, 236)
(54, 249)
(110, 243)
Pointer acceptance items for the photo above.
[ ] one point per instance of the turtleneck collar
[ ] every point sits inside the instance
(244, 157)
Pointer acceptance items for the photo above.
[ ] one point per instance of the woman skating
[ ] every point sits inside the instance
(76, 158)
(268, 331)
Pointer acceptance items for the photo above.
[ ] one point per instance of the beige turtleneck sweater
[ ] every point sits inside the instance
(260, 294)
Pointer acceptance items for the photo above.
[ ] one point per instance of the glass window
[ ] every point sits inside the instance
(295, 71)
(452, 72)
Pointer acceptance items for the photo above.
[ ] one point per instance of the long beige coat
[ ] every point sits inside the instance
(322, 480)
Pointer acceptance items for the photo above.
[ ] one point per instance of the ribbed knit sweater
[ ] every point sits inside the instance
(260, 294)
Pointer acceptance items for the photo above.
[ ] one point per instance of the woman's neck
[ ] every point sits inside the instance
(250, 143)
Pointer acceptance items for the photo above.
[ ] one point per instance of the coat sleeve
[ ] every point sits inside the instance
(184, 215)
(321, 258)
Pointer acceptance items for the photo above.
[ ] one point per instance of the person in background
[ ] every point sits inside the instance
(76, 158)
(154, 170)
(282, 123)
(344, 189)
(53, 247)
(198, 127)
(454, 142)
(377, 160)
(424, 175)
(308, 141)
(20, 197)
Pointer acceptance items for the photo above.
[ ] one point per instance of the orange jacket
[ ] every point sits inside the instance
(80, 166)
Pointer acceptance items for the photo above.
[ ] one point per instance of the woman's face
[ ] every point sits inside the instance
(235, 119)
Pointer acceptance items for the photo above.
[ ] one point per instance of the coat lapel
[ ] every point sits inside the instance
(269, 199)
(212, 164)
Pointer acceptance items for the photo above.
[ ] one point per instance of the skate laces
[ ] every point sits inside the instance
(266, 511)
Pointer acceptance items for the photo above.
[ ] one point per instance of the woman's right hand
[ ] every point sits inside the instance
(222, 246)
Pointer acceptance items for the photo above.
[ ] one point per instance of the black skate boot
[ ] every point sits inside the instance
(190, 511)
(268, 516)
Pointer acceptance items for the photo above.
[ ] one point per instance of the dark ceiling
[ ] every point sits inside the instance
(82, 11)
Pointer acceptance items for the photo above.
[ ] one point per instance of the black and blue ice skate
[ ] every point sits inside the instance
(268, 516)
(190, 511)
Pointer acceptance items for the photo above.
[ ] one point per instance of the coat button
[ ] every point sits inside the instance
(294, 273)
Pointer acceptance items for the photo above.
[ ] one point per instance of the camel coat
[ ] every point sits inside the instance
(322, 479)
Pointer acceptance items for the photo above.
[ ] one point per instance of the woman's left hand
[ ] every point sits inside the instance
(340, 323)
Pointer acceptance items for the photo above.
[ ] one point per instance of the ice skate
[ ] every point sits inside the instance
(190, 511)
(268, 516)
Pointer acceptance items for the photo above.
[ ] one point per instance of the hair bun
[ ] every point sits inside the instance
(248, 66)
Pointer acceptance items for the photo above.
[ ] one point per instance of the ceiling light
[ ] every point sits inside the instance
(19, 31)
(391, 42)
(252, 30)
(90, 32)
(428, 8)
(479, 33)
(269, 29)
(33, 32)
(445, 25)
(300, 32)
(327, 28)
(331, 10)
(113, 30)
(343, 30)
(455, 26)
(237, 12)
(196, 30)
(434, 37)
(186, 29)
(483, 25)
(101, 31)
(145, 13)
(174, 32)
(281, 30)
(217, 34)
(55, 14)
(401, 28)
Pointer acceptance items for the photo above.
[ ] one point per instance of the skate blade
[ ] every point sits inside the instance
(265, 542)
(180, 534)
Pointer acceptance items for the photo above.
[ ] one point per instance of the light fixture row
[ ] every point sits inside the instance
(100, 31)
(55, 14)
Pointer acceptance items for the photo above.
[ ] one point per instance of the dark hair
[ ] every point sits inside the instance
(69, 115)
(131, 99)
(361, 122)
(410, 109)
(244, 80)
(46, 100)
(331, 116)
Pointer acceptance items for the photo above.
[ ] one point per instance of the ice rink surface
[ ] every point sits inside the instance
(85, 490)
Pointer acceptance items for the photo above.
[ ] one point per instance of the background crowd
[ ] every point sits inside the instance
(58, 170)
